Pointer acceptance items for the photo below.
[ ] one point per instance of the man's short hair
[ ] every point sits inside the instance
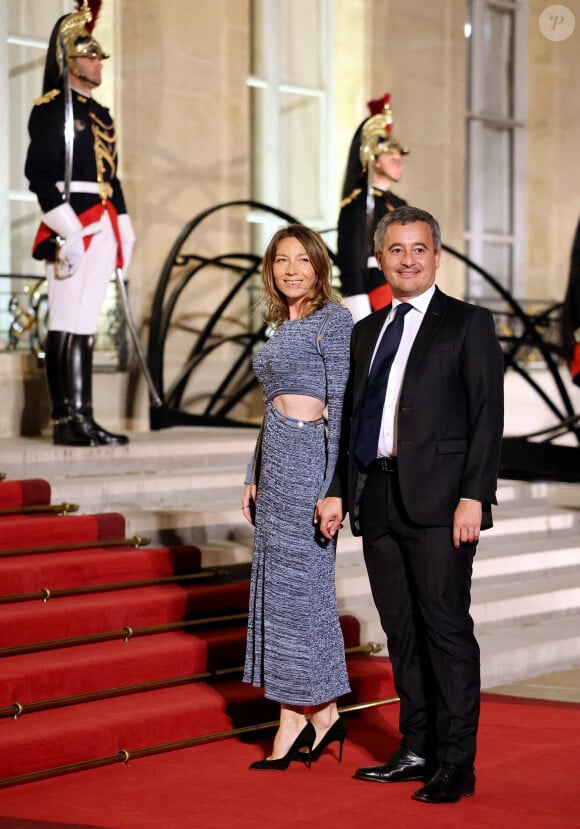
(407, 215)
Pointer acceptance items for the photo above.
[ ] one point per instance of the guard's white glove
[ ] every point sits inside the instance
(66, 224)
(127, 239)
(359, 305)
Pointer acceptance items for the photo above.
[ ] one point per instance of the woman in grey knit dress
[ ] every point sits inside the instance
(295, 648)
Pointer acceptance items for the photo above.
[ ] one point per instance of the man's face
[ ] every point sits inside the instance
(390, 165)
(87, 69)
(408, 259)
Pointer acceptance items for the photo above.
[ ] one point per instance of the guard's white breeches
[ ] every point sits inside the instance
(74, 303)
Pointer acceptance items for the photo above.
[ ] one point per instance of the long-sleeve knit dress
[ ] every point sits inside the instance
(295, 648)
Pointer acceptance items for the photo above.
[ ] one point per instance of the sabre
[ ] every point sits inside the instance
(155, 399)
(61, 270)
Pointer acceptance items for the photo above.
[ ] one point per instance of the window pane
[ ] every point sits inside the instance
(34, 19)
(498, 72)
(256, 32)
(300, 39)
(300, 156)
(497, 188)
(498, 261)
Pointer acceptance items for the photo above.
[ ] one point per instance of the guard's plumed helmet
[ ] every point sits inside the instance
(72, 31)
(377, 140)
(376, 133)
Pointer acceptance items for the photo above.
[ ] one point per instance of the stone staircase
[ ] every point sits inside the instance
(183, 486)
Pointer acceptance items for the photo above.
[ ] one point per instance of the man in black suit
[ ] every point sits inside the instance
(418, 485)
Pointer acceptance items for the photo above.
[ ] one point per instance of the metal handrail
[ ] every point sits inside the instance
(47, 593)
(126, 633)
(124, 755)
(40, 509)
(16, 709)
(136, 541)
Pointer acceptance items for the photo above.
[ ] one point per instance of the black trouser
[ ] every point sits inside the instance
(421, 585)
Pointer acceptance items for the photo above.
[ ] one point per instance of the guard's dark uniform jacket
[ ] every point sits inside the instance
(94, 161)
(355, 247)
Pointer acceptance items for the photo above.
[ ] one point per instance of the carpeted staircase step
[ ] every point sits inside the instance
(48, 739)
(50, 675)
(25, 493)
(99, 666)
(94, 566)
(40, 530)
(25, 623)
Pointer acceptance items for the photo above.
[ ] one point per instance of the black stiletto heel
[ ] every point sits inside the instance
(304, 740)
(335, 734)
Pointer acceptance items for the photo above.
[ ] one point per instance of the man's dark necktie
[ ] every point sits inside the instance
(367, 438)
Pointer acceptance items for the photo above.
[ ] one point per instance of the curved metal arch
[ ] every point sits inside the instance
(531, 337)
(167, 294)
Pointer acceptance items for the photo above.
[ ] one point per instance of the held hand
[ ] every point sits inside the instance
(249, 496)
(69, 256)
(466, 523)
(330, 514)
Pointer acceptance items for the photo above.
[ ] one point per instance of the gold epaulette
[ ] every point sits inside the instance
(350, 198)
(47, 97)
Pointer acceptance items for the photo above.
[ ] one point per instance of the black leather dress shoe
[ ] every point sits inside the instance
(449, 784)
(403, 765)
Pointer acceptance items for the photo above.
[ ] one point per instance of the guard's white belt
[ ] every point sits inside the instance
(83, 187)
(372, 262)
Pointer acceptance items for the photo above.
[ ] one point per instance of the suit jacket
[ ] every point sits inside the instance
(450, 413)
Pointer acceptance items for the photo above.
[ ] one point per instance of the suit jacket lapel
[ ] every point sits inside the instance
(366, 348)
(434, 316)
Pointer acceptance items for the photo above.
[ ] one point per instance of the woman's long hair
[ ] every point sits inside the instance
(275, 303)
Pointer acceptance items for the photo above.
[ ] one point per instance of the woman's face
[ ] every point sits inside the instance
(294, 275)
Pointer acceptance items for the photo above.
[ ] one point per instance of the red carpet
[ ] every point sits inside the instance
(32, 492)
(526, 768)
(133, 634)
(94, 660)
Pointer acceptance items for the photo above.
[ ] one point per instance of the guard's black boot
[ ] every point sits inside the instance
(67, 431)
(82, 394)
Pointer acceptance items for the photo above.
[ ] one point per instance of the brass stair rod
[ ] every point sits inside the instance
(60, 509)
(60, 592)
(136, 541)
(124, 756)
(17, 708)
(237, 732)
(125, 633)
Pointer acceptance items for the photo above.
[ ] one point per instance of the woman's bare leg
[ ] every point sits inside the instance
(292, 721)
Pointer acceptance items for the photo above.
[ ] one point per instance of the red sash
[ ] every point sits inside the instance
(380, 297)
(93, 214)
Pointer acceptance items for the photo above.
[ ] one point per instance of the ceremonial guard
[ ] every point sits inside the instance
(375, 163)
(570, 324)
(85, 232)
